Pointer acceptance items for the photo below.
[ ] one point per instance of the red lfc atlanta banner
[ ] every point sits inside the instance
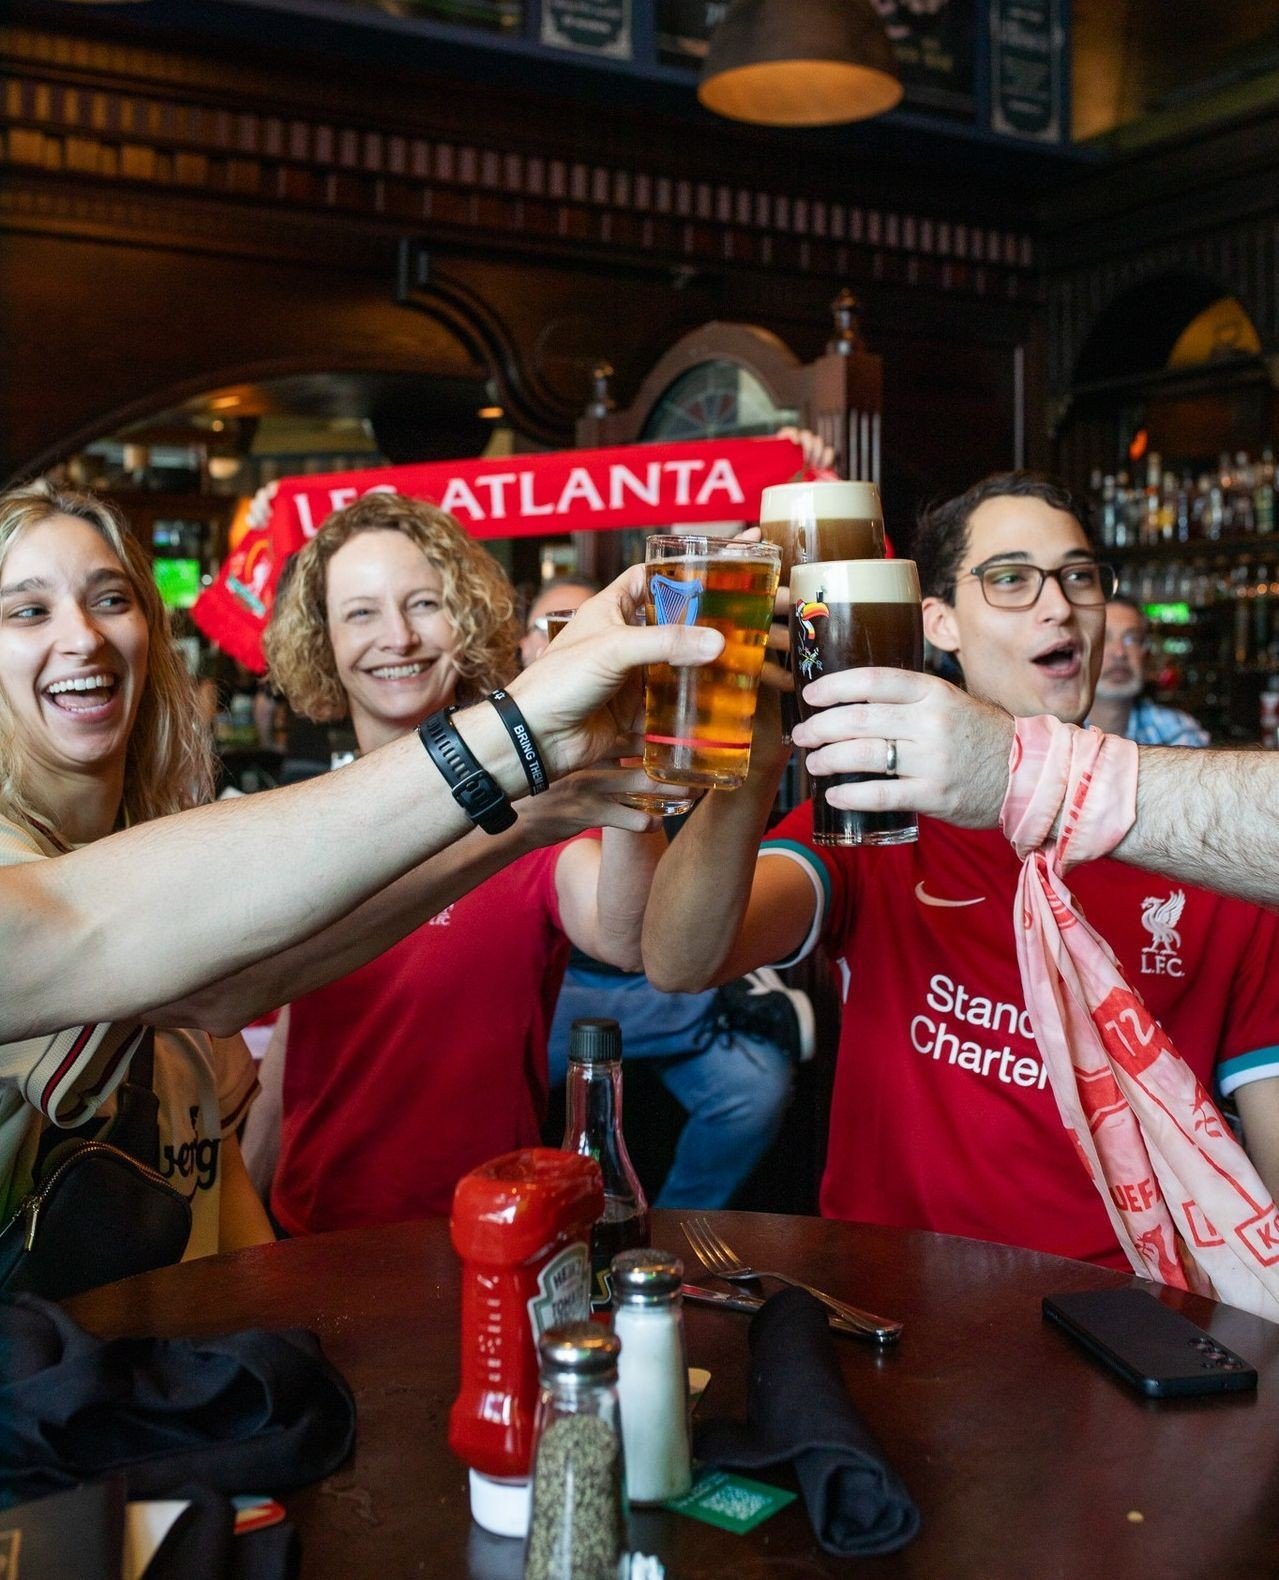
(635, 485)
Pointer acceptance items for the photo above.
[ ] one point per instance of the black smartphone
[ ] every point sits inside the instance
(1151, 1346)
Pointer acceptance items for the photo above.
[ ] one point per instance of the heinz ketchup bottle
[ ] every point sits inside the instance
(521, 1225)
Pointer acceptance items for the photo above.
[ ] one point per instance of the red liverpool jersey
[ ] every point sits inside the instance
(428, 1061)
(942, 1116)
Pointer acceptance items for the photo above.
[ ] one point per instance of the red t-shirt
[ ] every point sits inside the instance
(942, 1116)
(428, 1061)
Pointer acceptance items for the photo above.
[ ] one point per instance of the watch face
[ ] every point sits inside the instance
(716, 400)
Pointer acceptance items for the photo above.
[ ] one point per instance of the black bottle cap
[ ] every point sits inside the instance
(594, 1042)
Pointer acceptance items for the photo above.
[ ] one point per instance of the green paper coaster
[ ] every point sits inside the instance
(733, 1503)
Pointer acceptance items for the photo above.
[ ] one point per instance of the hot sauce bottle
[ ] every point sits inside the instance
(522, 1226)
(593, 1129)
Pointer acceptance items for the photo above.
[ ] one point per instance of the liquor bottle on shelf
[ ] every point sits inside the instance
(1237, 500)
(1241, 504)
(1263, 494)
(1151, 500)
(1109, 513)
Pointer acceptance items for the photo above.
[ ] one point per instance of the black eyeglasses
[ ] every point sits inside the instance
(1012, 585)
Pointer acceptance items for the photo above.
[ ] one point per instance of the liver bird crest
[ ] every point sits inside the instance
(1160, 918)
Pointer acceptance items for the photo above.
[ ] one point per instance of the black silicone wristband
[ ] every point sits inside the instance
(474, 789)
(522, 739)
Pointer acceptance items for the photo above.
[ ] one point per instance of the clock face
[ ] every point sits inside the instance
(715, 400)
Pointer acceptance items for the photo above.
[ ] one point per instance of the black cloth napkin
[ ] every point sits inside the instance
(201, 1544)
(239, 1412)
(79, 1535)
(798, 1410)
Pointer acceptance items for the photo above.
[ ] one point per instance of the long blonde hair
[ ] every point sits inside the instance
(475, 596)
(169, 764)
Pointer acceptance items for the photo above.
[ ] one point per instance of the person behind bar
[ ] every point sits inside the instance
(123, 903)
(400, 1077)
(942, 1116)
(1120, 705)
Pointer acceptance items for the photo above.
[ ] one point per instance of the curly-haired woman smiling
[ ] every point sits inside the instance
(432, 1058)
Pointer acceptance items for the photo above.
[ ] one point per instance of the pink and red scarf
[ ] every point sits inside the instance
(1186, 1204)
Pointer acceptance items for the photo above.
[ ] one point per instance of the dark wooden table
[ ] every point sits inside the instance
(1026, 1460)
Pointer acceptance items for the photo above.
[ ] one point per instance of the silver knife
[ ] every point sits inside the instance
(752, 1303)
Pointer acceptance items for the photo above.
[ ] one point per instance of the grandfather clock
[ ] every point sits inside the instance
(740, 380)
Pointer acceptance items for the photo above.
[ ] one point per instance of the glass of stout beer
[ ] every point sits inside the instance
(698, 720)
(660, 803)
(849, 614)
(820, 521)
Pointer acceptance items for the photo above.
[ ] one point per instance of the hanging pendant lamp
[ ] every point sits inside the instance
(799, 63)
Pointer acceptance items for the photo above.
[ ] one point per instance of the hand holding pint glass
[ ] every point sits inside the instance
(849, 614)
(697, 727)
(658, 802)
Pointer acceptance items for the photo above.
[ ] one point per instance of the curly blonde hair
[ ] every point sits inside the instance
(476, 598)
(169, 764)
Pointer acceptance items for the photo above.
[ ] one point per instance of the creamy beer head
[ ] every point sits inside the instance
(823, 521)
(855, 582)
(820, 501)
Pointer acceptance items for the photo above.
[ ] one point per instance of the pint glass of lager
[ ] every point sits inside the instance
(847, 615)
(698, 721)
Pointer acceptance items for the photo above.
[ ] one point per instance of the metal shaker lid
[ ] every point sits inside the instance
(646, 1277)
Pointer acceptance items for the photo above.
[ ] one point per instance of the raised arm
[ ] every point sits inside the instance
(1208, 817)
(580, 801)
(1204, 816)
(156, 913)
(714, 912)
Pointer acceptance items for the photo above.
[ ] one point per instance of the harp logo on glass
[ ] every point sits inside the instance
(676, 602)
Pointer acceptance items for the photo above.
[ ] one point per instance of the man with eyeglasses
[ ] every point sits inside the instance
(942, 1116)
(1120, 706)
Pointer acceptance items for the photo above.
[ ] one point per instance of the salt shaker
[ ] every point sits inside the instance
(652, 1374)
(577, 1528)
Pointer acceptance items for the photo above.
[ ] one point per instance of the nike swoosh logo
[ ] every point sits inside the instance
(924, 898)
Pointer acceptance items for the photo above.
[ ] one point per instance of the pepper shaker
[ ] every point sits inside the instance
(577, 1527)
(652, 1374)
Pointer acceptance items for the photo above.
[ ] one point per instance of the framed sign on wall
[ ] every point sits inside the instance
(591, 27)
(1027, 76)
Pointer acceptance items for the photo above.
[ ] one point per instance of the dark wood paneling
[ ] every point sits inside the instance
(173, 222)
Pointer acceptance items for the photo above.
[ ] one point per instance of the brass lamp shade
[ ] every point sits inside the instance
(799, 63)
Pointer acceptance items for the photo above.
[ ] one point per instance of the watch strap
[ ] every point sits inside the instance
(473, 788)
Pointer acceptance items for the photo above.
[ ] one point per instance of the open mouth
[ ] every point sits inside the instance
(84, 695)
(1062, 663)
(401, 671)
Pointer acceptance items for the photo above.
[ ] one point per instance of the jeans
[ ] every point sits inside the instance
(733, 1085)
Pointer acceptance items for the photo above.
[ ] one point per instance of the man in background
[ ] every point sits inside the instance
(1120, 706)
(562, 594)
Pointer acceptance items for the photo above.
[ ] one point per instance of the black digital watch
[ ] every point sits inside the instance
(474, 789)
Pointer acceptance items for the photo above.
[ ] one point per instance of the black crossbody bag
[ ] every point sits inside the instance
(99, 1209)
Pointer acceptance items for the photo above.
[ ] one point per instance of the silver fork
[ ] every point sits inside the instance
(719, 1259)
